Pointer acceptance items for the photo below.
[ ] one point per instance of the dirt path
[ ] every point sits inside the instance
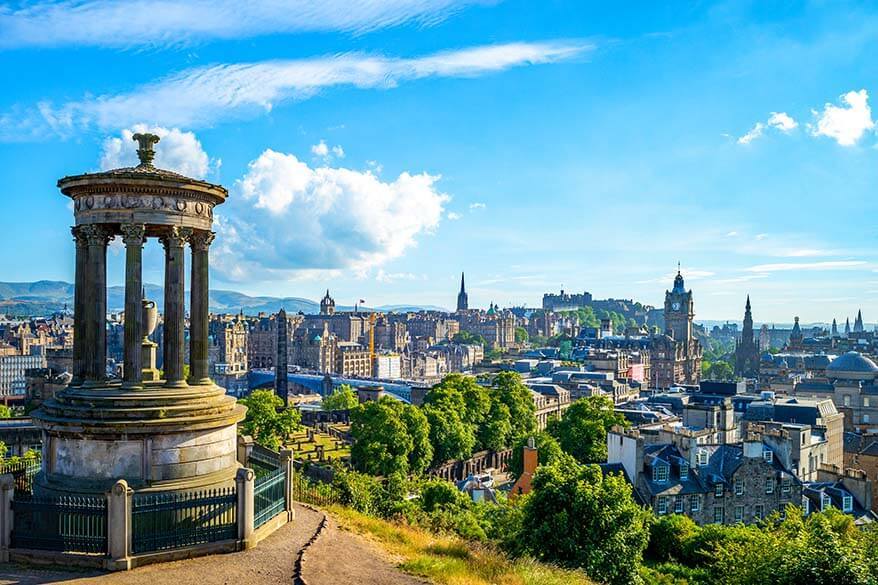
(336, 557)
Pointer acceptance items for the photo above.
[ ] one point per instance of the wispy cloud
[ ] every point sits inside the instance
(453, 215)
(788, 266)
(130, 23)
(477, 205)
(204, 95)
(778, 120)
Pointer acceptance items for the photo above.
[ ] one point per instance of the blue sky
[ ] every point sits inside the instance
(379, 148)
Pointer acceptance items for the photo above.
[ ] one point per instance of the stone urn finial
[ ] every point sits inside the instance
(146, 152)
(150, 318)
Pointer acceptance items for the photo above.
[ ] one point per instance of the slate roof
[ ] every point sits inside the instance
(852, 361)
(836, 492)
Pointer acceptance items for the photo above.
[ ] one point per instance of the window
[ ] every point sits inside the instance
(662, 505)
(757, 512)
(739, 487)
(847, 400)
(865, 419)
(702, 457)
(767, 455)
(660, 473)
(847, 504)
(866, 401)
(718, 514)
(718, 490)
(684, 471)
(739, 513)
(825, 502)
(678, 505)
(769, 485)
(785, 485)
(695, 503)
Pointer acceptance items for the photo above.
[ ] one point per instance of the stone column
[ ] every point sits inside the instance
(198, 323)
(174, 332)
(79, 289)
(245, 483)
(132, 235)
(119, 526)
(95, 303)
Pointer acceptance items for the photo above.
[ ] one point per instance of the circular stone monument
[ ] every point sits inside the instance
(159, 434)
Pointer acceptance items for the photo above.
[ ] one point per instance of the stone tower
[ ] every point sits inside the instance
(747, 347)
(281, 361)
(327, 304)
(834, 331)
(174, 433)
(847, 327)
(858, 322)
(679, 311)
(796, 336)
(462, 297)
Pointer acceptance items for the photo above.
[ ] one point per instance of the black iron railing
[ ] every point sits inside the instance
(314, 492)
(263, 461)
(67, 523)
(177, 520)
(268, 497)
(23, 471)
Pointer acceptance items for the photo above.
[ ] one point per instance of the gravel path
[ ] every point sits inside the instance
(336, 557)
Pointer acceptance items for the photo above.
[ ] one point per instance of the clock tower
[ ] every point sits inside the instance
(679, 311)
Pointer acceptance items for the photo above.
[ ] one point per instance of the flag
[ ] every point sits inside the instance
(362, 301)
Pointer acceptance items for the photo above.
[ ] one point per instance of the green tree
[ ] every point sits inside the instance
(468, 338)
(267, 420)
(576, 517)
(495, 431)
(508, 389)
(451, 436)
(721, 370)
(342, 398)
(582, 429)
(389, 437)
(5, 411)
(521, 335)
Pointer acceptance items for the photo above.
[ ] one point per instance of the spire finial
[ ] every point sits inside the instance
(678, 267)
(146, 150)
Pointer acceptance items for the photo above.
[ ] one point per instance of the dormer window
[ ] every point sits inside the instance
(767, 455)
(847, 503)
(825, 502)
(660, 473)
(684, 471)
(701, 457)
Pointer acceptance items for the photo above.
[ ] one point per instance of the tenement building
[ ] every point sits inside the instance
(675, 356)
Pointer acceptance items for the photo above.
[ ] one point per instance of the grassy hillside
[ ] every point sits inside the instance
(449, 560)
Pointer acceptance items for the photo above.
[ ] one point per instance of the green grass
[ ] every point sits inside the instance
(329, 449)
(448, 560)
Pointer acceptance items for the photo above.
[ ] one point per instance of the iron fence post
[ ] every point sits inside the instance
(119, 526)
(244, 480)
(286, 463)
(7, 489)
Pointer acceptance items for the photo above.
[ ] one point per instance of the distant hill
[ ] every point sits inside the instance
(46, 296)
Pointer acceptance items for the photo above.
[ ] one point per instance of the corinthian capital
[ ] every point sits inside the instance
(175, 237)
(133, 233)
(201, 240)
(79, 236)
(96, 234)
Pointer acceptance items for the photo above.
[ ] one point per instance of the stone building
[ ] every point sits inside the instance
(675, 356)
(462, 297)
(390, 334)
(262, 339)
(228, 351)
(352, 359)
(747, 348)
(13, 366)
(850, 382)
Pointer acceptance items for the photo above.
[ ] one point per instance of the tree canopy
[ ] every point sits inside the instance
(268, 421)
(390, 437)
(582, 429)
(576, 517)
(342, 398)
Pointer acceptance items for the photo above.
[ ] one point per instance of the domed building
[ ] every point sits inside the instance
(851, 383)
(852, 366)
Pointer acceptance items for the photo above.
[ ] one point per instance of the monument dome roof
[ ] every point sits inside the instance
(852, 361)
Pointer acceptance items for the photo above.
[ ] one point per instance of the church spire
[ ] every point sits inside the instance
(462, 297)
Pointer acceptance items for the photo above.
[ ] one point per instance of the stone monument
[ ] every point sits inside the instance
(163, 434)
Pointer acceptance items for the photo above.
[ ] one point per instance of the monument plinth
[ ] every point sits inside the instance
(157, 434)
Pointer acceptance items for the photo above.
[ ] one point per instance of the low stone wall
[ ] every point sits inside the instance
(456, 471)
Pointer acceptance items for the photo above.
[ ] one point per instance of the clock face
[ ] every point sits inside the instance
(676, 306)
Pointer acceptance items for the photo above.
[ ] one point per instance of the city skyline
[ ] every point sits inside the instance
(381, 154)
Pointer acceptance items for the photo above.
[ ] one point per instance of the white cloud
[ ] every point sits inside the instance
(338, 151)
(731, 234)
(782, 121)
(390, 277)
(202, 96)
(320, 149)
(477, 205)
(845, 124)
(177, 151)
(291, 219)
(788, 266)
(777, 120)
(452, 215)
(128, 23)
(760, 237)
(753, 134)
